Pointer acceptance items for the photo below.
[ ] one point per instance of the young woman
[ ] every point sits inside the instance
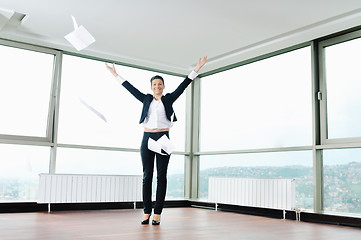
(157, 118)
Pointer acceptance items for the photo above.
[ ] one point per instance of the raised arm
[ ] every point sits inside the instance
(134, 91)
(180, 89)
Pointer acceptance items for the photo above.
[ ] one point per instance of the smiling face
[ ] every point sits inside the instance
(157, 86)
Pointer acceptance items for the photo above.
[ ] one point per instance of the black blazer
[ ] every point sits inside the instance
(167, 100)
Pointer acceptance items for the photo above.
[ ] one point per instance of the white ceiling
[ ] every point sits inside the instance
(171, 35)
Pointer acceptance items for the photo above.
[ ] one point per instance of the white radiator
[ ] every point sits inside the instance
(79, 188)
(264, 193)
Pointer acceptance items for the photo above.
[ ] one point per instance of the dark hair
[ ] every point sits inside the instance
(156, 77)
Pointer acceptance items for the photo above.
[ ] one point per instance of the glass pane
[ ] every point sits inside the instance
(19, 172)
(25, 82)
(343, 82)
(175, 178)
(96, 110)
(85, 161)
(297, 165)
(342, 180)
(260, 105)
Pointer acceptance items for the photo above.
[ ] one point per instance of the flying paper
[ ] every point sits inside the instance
(80, 38)
(160, 146)
(5, 15)
(93, 110)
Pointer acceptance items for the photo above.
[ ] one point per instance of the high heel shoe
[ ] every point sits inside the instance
(156, 222)
(146, 221)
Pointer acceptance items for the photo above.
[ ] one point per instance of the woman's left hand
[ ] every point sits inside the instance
(200, 64)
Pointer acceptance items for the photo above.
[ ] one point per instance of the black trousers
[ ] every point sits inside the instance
(162, 161)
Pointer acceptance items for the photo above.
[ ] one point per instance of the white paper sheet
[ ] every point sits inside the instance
(155, 146)
(93, 110)
(80, 38)
(166, 144)
(162, 143)
(5, 15)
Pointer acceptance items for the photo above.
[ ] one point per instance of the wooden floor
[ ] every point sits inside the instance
(177, 223)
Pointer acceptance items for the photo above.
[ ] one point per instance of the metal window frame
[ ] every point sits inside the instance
(191, 173)
(337, 142)
(36, 140)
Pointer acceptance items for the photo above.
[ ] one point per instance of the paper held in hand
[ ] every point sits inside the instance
(162, 146)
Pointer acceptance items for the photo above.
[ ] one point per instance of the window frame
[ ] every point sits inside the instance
(35, 140)
(326, 143)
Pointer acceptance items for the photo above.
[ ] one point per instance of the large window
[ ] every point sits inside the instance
(297, 165)
(25, 90)
(265, 104)
(26, 80)
(342, 180)
(20, 167)
(343, 83)
(96, 110)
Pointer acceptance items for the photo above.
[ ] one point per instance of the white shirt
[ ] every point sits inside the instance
(156, 118)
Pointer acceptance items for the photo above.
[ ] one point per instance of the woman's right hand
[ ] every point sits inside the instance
(112, 69)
